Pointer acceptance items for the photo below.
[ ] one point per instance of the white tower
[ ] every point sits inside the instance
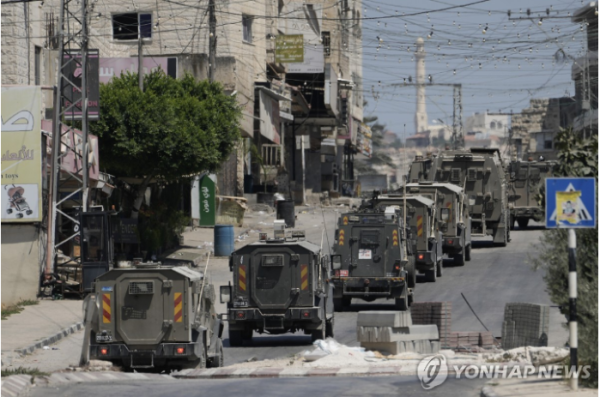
(421, 123)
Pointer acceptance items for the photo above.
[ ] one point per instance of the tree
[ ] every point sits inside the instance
(171, 129)
(577, 158)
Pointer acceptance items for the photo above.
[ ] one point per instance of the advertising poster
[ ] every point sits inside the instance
(21, 154)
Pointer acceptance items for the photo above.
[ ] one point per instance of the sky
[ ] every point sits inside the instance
(501, 63)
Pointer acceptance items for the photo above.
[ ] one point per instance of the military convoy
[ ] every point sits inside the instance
(481, 174)
(153, 316)
(375, 258)
(280, 285)
(525, 178)
(425, 234)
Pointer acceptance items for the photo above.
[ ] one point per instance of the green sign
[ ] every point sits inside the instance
(289, 48)
(208, 208)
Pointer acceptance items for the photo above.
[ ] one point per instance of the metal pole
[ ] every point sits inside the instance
(212, 40)
(140, 62)
(53, 188)
(573, 307)
(84, 105)
(303, 170)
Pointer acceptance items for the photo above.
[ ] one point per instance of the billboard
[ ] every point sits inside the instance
(111, 67)
(21, 154)
(289, 48)
(363, 141)
(306, 20)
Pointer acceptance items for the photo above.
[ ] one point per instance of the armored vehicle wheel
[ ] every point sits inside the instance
(439, 267)
(247, 334)
(195, 364)
(459, 258)
(341, 304)
(411, 299)
(523, 222)
(468, 252)
(412, 273)
(512, 222)
(329, 329)
(217, 361)
(235, 337)
(401, 302)
(431, 275)
(320, 333)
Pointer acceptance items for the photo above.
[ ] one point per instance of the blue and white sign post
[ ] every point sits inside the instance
(571, 203)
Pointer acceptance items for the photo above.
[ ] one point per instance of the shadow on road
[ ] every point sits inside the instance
(483, 244)
(274, 341)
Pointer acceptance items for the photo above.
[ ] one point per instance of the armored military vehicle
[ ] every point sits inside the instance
(376, 260)
(525, 178)
(419, 169)
(423, 222)
(481, 174)
(153, 316)
(280, 285)
(452, 215)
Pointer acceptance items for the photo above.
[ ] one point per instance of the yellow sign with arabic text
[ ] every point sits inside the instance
(21, 154)
(567, 205)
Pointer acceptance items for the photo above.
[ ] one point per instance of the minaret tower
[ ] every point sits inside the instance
(421, 123)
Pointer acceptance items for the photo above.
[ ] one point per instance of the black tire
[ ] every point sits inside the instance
(9, 211)
(218, 360)
(247, 334)
(401, 302)
(512, 222)
(439, 267)
(523, 222)
(236, 337)
(468, 252)
(29, 212)
(317, 334)
(19, 215)
(329, 328)
(459, 258)
(412, 273)
(341, 304)
(431, 275)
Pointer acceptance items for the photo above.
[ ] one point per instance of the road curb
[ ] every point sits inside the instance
(51, 339)
(15, 385)
(488, 392)
(61, 378)
(291, 372)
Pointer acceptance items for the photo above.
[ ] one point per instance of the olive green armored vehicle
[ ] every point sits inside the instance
(280, 285)
(376, 259)
(525, 178)
(422, 219)
(481, 174)
(153, 316)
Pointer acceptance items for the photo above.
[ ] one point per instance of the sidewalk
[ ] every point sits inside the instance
(532, 387)
(39, 325)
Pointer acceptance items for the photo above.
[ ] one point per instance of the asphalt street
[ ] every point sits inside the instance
(493, 278)
(290, 387)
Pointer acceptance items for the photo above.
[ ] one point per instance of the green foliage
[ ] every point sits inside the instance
(175, 127)
(18, 308)
(160, 227)
(577, 157)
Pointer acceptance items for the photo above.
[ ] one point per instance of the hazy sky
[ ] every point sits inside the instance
(500, 70)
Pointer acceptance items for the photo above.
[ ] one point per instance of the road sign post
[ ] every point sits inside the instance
(571, 203)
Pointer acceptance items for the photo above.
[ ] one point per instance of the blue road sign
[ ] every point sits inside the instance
(570, 203)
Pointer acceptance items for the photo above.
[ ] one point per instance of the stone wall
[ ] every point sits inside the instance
(21, 268)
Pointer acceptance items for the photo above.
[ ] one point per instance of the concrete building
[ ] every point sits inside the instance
(303, 118)
(584, 73)
(488, 125)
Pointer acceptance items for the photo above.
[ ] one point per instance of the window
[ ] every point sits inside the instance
(547, 144)
(247, 28)
(132, 26)
(326, 37)
(493, 125)
(38, 66)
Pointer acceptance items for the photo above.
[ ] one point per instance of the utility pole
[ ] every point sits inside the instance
(212, 41)
(140, 61)
(573, 306)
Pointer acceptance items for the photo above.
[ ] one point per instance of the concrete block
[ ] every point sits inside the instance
(384, 319)
(398, 334)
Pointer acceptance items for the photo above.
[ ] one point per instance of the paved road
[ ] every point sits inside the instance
(290, 387)
(494, 277)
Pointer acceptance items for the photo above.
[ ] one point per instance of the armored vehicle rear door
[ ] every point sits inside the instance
(279, 277)
(142, 306)
(371, 250)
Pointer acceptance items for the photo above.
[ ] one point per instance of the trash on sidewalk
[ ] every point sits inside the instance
(231, 210)
(46, 347)
(329, 352)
